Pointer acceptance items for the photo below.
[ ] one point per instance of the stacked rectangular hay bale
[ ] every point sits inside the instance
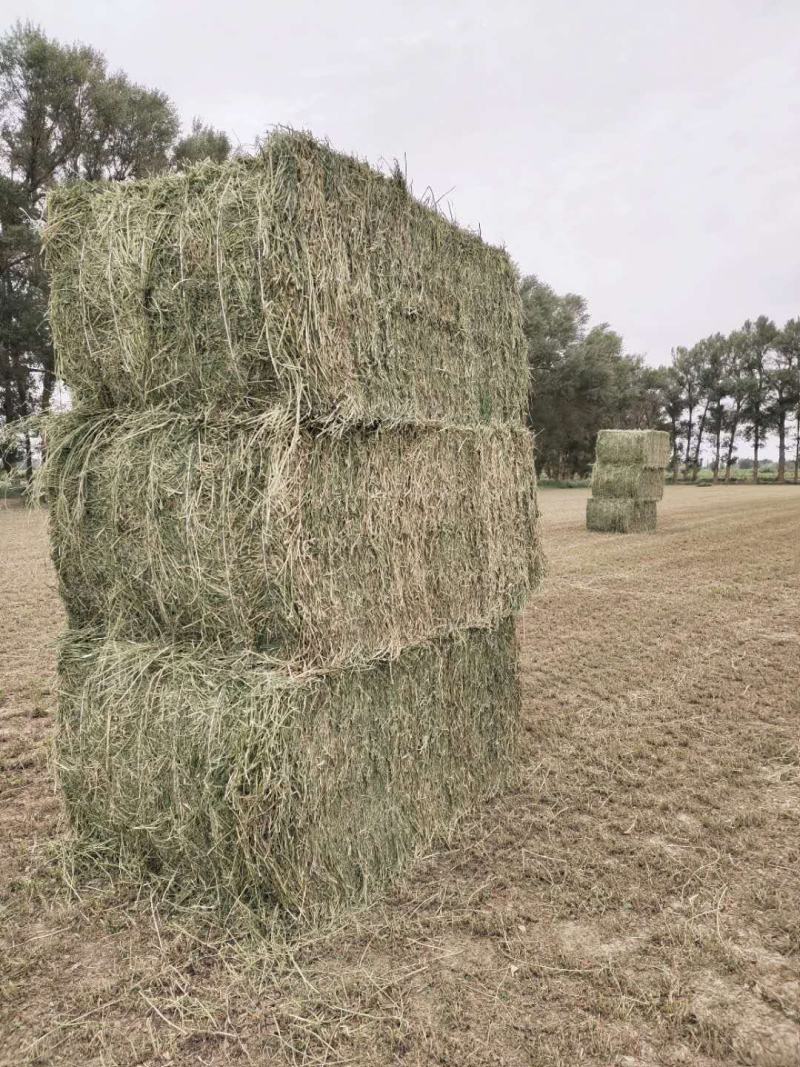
(627, 480)
(293, 516)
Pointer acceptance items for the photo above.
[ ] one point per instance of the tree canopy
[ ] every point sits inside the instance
(63, 117)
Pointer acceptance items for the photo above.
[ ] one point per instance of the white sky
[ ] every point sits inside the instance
(644, 154)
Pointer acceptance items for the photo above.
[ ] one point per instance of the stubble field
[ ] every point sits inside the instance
(636, 901)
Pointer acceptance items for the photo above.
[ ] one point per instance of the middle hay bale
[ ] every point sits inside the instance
(626, 480)
(237, 784)
(314, 549)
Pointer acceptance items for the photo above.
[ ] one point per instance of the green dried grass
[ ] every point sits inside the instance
(300, 279)
(620, 515)
(616, 480)
(233, 785)
(644, 448)
(312, 548)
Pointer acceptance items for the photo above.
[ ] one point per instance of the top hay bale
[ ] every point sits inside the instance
(643, 448)
(300, 280)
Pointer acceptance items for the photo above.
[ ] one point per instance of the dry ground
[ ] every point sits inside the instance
(636, 902)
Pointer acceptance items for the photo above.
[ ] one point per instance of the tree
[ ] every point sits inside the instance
(204, 142)
(672, 405)
(688, 364)
(757, 340)
(785, 378)
(714, 386)
(580, 380)
(61, 117)
(130, 131)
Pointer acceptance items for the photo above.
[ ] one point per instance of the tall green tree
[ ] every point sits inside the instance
(757, 339)
(713, 390)
(62, 117)
(688, 367)
(581, 381)
(785, 377)
(201, 143)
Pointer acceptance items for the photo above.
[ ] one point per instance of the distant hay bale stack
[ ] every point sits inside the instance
(293, 516)
(627, 480)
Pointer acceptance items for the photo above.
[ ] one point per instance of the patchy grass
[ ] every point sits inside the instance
(635, 902)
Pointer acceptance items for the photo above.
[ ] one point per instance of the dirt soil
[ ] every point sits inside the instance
(635, 902)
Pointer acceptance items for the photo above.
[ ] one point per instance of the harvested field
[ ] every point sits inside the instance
(635, 901)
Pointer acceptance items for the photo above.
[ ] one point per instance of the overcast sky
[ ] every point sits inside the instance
(644, 154)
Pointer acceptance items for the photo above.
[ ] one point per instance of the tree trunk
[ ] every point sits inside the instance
(781, 476)
(687, 458)
(700, 429)
(756, 435)
(28, 458)
(731, 446)
(717, 449)
(797, 448)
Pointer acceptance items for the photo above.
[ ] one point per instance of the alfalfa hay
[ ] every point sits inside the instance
(293, 516)
(314, 549)
(300, 279)
(627, 480)
(620, 515)
(642, 448)
(232, 784)
(619, 480)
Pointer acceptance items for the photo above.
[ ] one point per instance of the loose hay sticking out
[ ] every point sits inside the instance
(619, 515)
(614, 480)
(315, 549)
(300, 279)
(237, 784)
(643, 448)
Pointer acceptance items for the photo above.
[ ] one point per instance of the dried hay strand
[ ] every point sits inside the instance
(620, 515)
(233, 784)
(643, 448)
(313, 549)
(300, 280)
(618, 480)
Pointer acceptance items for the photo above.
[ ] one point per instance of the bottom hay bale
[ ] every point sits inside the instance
(235, 784)
(620, 515)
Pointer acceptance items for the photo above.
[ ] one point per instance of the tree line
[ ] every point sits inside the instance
(725, 388)
(65, 116)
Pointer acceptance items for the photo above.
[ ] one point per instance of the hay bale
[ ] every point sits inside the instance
(620, 515)
(617, 480)
(236, 784)
(312, 548)
(643, 448)
(300, 279)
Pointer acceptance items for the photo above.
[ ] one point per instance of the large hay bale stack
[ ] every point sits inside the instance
(627, 480)
(293, 516)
